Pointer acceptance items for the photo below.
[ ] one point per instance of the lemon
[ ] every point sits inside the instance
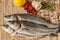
(19, 3)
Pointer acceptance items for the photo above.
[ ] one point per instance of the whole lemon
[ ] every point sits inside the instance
(19, 3)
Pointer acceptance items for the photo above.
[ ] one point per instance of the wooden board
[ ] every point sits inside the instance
(6, 8)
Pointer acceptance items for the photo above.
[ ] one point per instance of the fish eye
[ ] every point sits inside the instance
(6, 26)
(7, 16)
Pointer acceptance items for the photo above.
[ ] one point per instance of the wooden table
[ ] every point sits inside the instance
(7, 8)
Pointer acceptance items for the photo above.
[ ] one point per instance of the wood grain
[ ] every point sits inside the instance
(7, 8)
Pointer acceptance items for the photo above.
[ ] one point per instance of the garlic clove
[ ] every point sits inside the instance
(37, 5)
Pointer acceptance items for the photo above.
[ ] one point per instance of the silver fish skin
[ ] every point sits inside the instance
(32, 18)
(31, 33)
(38, 27)
(30, 36)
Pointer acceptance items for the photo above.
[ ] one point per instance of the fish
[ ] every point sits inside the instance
(32, 18)
(33, 30)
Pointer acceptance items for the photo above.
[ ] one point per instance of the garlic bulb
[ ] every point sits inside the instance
(37, 5)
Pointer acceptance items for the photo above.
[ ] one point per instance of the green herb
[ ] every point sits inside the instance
(48, 5)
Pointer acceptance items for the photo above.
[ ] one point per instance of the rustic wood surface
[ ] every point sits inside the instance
(6, 8)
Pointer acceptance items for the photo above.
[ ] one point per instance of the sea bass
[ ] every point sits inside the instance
(28, 29)
(31, 18)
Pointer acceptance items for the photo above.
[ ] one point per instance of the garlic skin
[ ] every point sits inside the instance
(37, 5)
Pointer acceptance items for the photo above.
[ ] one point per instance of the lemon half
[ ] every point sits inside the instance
(19, 3)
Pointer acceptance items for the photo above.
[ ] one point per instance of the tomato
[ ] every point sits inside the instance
(30, 9)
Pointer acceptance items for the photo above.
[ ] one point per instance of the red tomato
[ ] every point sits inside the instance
(30, 9)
